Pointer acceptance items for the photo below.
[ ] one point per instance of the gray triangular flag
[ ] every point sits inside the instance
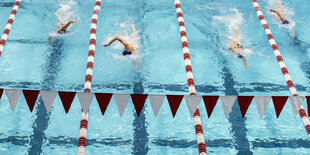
(48, 98)
(121, 101)
(13, 96)
(296, 102)
(262, 103)
(85, 100)
(156, 102)
(192, 103)
(227, 103)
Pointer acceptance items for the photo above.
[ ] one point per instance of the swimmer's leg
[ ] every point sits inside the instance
(292, 33)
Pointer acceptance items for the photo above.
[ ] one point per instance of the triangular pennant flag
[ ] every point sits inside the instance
(156, 102)
(308, 105)
(192, 103)
(210, 102)
(227, 103)
(66, 99)
(138, 101)
(48, 98)
(1, 92)
(85, 100)
(244, 103)
(31, 97)
(13, 96)
(103, 101)
(296, 102)
(262, 103)
(121, 101)
(279, 102)
(174, 102)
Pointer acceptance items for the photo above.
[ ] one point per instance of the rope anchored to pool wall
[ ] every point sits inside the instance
(190, 79)
(284, 70)
(88, 77)
(9, 25)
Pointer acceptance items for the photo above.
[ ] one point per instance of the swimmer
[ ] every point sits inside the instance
(282, 18)
(235, 45)
(129, 49)
(62, 29)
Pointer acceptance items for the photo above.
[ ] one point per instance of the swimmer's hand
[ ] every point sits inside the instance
(105, 45)
(73, 21)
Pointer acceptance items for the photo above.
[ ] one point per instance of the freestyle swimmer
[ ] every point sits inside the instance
(62, 29)
(129, 49)
(235, 45)
(282, 18)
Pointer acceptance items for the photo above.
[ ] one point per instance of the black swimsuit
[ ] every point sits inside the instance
(239, 47)
(62, 31)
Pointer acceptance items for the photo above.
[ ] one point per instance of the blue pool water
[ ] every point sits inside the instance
(29, 62)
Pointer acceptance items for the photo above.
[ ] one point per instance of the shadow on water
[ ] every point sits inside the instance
(50, 70)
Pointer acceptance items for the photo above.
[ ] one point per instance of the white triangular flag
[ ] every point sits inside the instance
(156, 102)
(262, 103)
(48, 98)
(85, 100)
(227, 103)
(121, 101)
(13, 96)
(192, 103)
(296, 102)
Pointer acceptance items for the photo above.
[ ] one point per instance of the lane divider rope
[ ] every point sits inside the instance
(190, 79)
(88, 77)
(284, 70)
(8, 25)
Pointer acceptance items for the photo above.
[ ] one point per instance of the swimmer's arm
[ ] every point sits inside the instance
(278, 13)
(64, 27)
(114, 39)
(244, 61)
(237, 34)
(133, 28)
(280, 6)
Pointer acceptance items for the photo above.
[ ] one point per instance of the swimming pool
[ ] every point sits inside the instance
(29, 62)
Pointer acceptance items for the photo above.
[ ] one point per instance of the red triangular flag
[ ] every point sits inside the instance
(279, 102)
(308, 104)
(31, 98)
(103, 101)
(244, 103)
(66, 99)
(210, 102)
(174, 102)
(138, 101)
(1, 92)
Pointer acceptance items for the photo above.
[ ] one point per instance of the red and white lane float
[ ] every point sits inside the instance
(88, 77)
(286, 75)
(9, 25)
(190, 79)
